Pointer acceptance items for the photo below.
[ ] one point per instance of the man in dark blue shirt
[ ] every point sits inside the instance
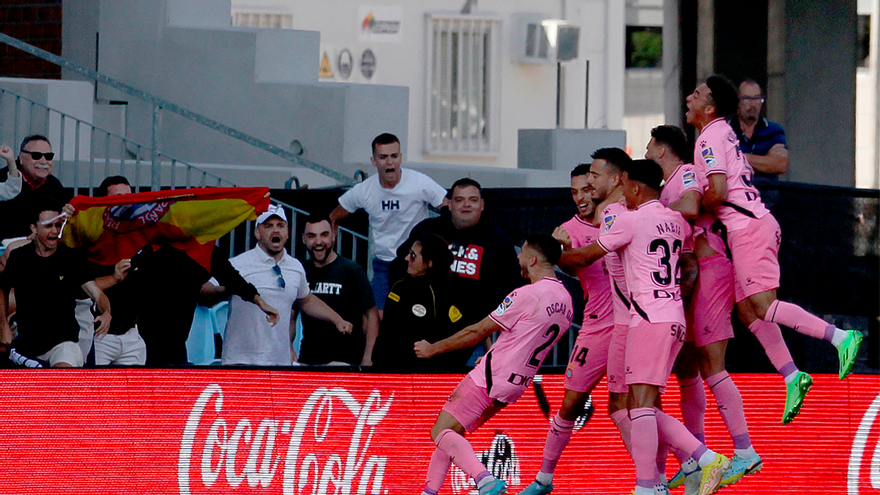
(762, 141)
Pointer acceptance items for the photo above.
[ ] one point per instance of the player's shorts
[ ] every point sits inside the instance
(712, 303)
(65, 352)
(755, 251)
(651, 349)
(470, 404)
(617, 360)
(588, 360)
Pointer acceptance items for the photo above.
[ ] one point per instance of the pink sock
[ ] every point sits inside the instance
(437, 469)
(644, 445)
(799, 320)
(662, 455)
(674, 434)
(730, 404)
(462, 454)
(693, 406)
(557, 438)
(770, 337)
(624, 426)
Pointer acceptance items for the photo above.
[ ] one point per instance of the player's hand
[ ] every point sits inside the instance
(68, 210)
(7, 154)
(344, 326)
(121, 270)
(103, 321)
(562, 237)
(423, 349)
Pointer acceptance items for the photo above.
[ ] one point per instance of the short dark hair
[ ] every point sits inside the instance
(41, 204)
(724, 95)
(546, 245)
(436, 250)
(674, 138)
(318, 218)
(646, 172)
(113, 180)
(33, 137)
(749, 80)
(616, 157)
(384, 138)
(465, 182)
(581, 169)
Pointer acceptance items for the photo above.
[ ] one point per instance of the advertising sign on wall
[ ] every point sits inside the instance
(380, 24)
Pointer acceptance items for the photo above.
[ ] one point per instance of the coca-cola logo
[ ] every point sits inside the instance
(863, 475)
(325, 450)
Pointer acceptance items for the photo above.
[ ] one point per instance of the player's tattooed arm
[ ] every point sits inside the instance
(468, 337)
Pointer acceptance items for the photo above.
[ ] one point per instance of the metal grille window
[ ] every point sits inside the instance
(262, 20)
(462, 82)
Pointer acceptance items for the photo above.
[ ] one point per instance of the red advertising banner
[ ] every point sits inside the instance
(230, 431)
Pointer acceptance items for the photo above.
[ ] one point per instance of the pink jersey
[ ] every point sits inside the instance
(532, 319)
(651, 238)
(718, 153)
(594, 278)
(614, 265)
(684, 179)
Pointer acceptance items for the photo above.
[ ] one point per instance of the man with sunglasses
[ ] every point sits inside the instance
(35, 167)
(762, 141)
(251, 338)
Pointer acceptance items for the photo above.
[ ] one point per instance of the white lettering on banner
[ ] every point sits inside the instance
(856, 456)
(338, 475)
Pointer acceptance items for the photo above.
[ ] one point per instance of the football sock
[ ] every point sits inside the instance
(770, 337)
(662, 456)
(644, 445)
(693, 406)
(557, 438)
(437, 469)
(624, 426)
(799, 320)
(745, 453)
(462, 454)
(674, 434)
(730, 405)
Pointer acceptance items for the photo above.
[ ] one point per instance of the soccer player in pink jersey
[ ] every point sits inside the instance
(529, 322)
(708, 312)
(753, 236)
(649, 239)
(588, 358)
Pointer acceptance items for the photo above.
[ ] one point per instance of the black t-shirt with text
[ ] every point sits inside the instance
(343, 285)
(46, 289)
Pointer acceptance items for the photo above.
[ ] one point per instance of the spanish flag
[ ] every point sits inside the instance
(112, 228)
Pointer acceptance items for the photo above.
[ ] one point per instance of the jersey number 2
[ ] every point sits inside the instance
(551, 332)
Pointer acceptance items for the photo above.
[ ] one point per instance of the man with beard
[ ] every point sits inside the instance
(252, 337)
(396, 199)
(762, 141)
(343, 285)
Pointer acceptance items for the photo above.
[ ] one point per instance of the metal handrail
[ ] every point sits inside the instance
(160, 104)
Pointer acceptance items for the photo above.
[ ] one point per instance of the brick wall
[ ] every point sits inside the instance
(37, 22)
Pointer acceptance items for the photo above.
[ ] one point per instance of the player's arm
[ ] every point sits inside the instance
(688, 205)
(337, 215)
(716, 193)
(5, 330)
(313, 306)
(467, 337)
(774, 162)
(371, 329)
(583, 256)
(97, 295)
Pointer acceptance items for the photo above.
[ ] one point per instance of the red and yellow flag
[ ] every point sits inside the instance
(112, 228)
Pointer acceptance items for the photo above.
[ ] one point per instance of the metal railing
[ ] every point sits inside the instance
(86, 153)
(159, 105)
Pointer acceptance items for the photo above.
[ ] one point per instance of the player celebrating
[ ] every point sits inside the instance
(586, 365)
(649, 239)
(530, 321)
(708, 313)
(753, 236)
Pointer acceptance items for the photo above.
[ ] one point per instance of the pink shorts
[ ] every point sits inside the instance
(617, 360)
(651, 349)
(470, 404)
(712, 303)
(589, 358)
(755, 251)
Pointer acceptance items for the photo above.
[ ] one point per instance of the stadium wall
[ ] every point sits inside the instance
(204, 431)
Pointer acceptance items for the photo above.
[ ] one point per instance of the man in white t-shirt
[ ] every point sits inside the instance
(251, 337)
(396, 199)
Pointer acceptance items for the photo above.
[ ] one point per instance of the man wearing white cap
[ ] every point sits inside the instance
(281, 281)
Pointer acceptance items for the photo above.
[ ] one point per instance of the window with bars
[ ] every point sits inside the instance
(462, 84)
(262, 20)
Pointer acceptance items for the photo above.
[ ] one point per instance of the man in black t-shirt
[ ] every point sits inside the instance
(47, 277)
(343, 285)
